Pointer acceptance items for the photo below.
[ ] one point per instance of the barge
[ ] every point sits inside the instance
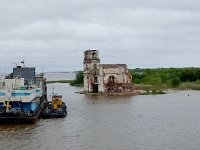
(23, 95)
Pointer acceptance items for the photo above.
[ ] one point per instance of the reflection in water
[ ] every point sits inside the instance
(169, 121)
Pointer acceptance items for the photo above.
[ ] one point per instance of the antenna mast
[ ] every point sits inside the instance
(23, 63)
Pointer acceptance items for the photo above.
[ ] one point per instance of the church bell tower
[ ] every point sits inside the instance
(91, 73)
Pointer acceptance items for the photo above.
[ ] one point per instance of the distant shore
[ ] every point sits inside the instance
(181, 86)
(147, 89)
(71, 82)
(152, 81)
(60, 81)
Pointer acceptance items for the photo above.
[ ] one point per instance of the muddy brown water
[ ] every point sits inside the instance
(153, 122)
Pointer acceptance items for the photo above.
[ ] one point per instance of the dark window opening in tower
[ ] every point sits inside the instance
(93, 56)
(86, 67)
(86, 55)
(95, 66)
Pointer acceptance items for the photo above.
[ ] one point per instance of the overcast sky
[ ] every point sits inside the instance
(52, 34)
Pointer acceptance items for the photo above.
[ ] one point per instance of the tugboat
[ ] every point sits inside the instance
(55, 108)
(22, 96)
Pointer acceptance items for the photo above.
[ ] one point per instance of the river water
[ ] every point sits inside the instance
(153, 122)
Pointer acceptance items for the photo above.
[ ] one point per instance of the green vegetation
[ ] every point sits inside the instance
(165, 78)
(78, 79)
(190, 85)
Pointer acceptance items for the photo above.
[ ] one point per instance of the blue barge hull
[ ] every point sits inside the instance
(21, 117)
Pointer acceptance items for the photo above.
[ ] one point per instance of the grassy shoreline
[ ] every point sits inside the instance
(181, 86)
(147, 89)
(154, 81)
(161, 89)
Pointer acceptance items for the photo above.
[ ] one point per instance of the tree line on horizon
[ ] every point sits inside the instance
(170, 76)
(156, 76)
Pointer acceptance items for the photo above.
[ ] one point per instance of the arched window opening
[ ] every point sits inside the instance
(111, 79)
(93, 55)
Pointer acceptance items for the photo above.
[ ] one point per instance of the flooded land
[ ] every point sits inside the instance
(144, 122)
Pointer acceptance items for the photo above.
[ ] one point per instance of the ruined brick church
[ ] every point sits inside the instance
(109, 79)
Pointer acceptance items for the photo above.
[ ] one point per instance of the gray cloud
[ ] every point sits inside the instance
(52, 34)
